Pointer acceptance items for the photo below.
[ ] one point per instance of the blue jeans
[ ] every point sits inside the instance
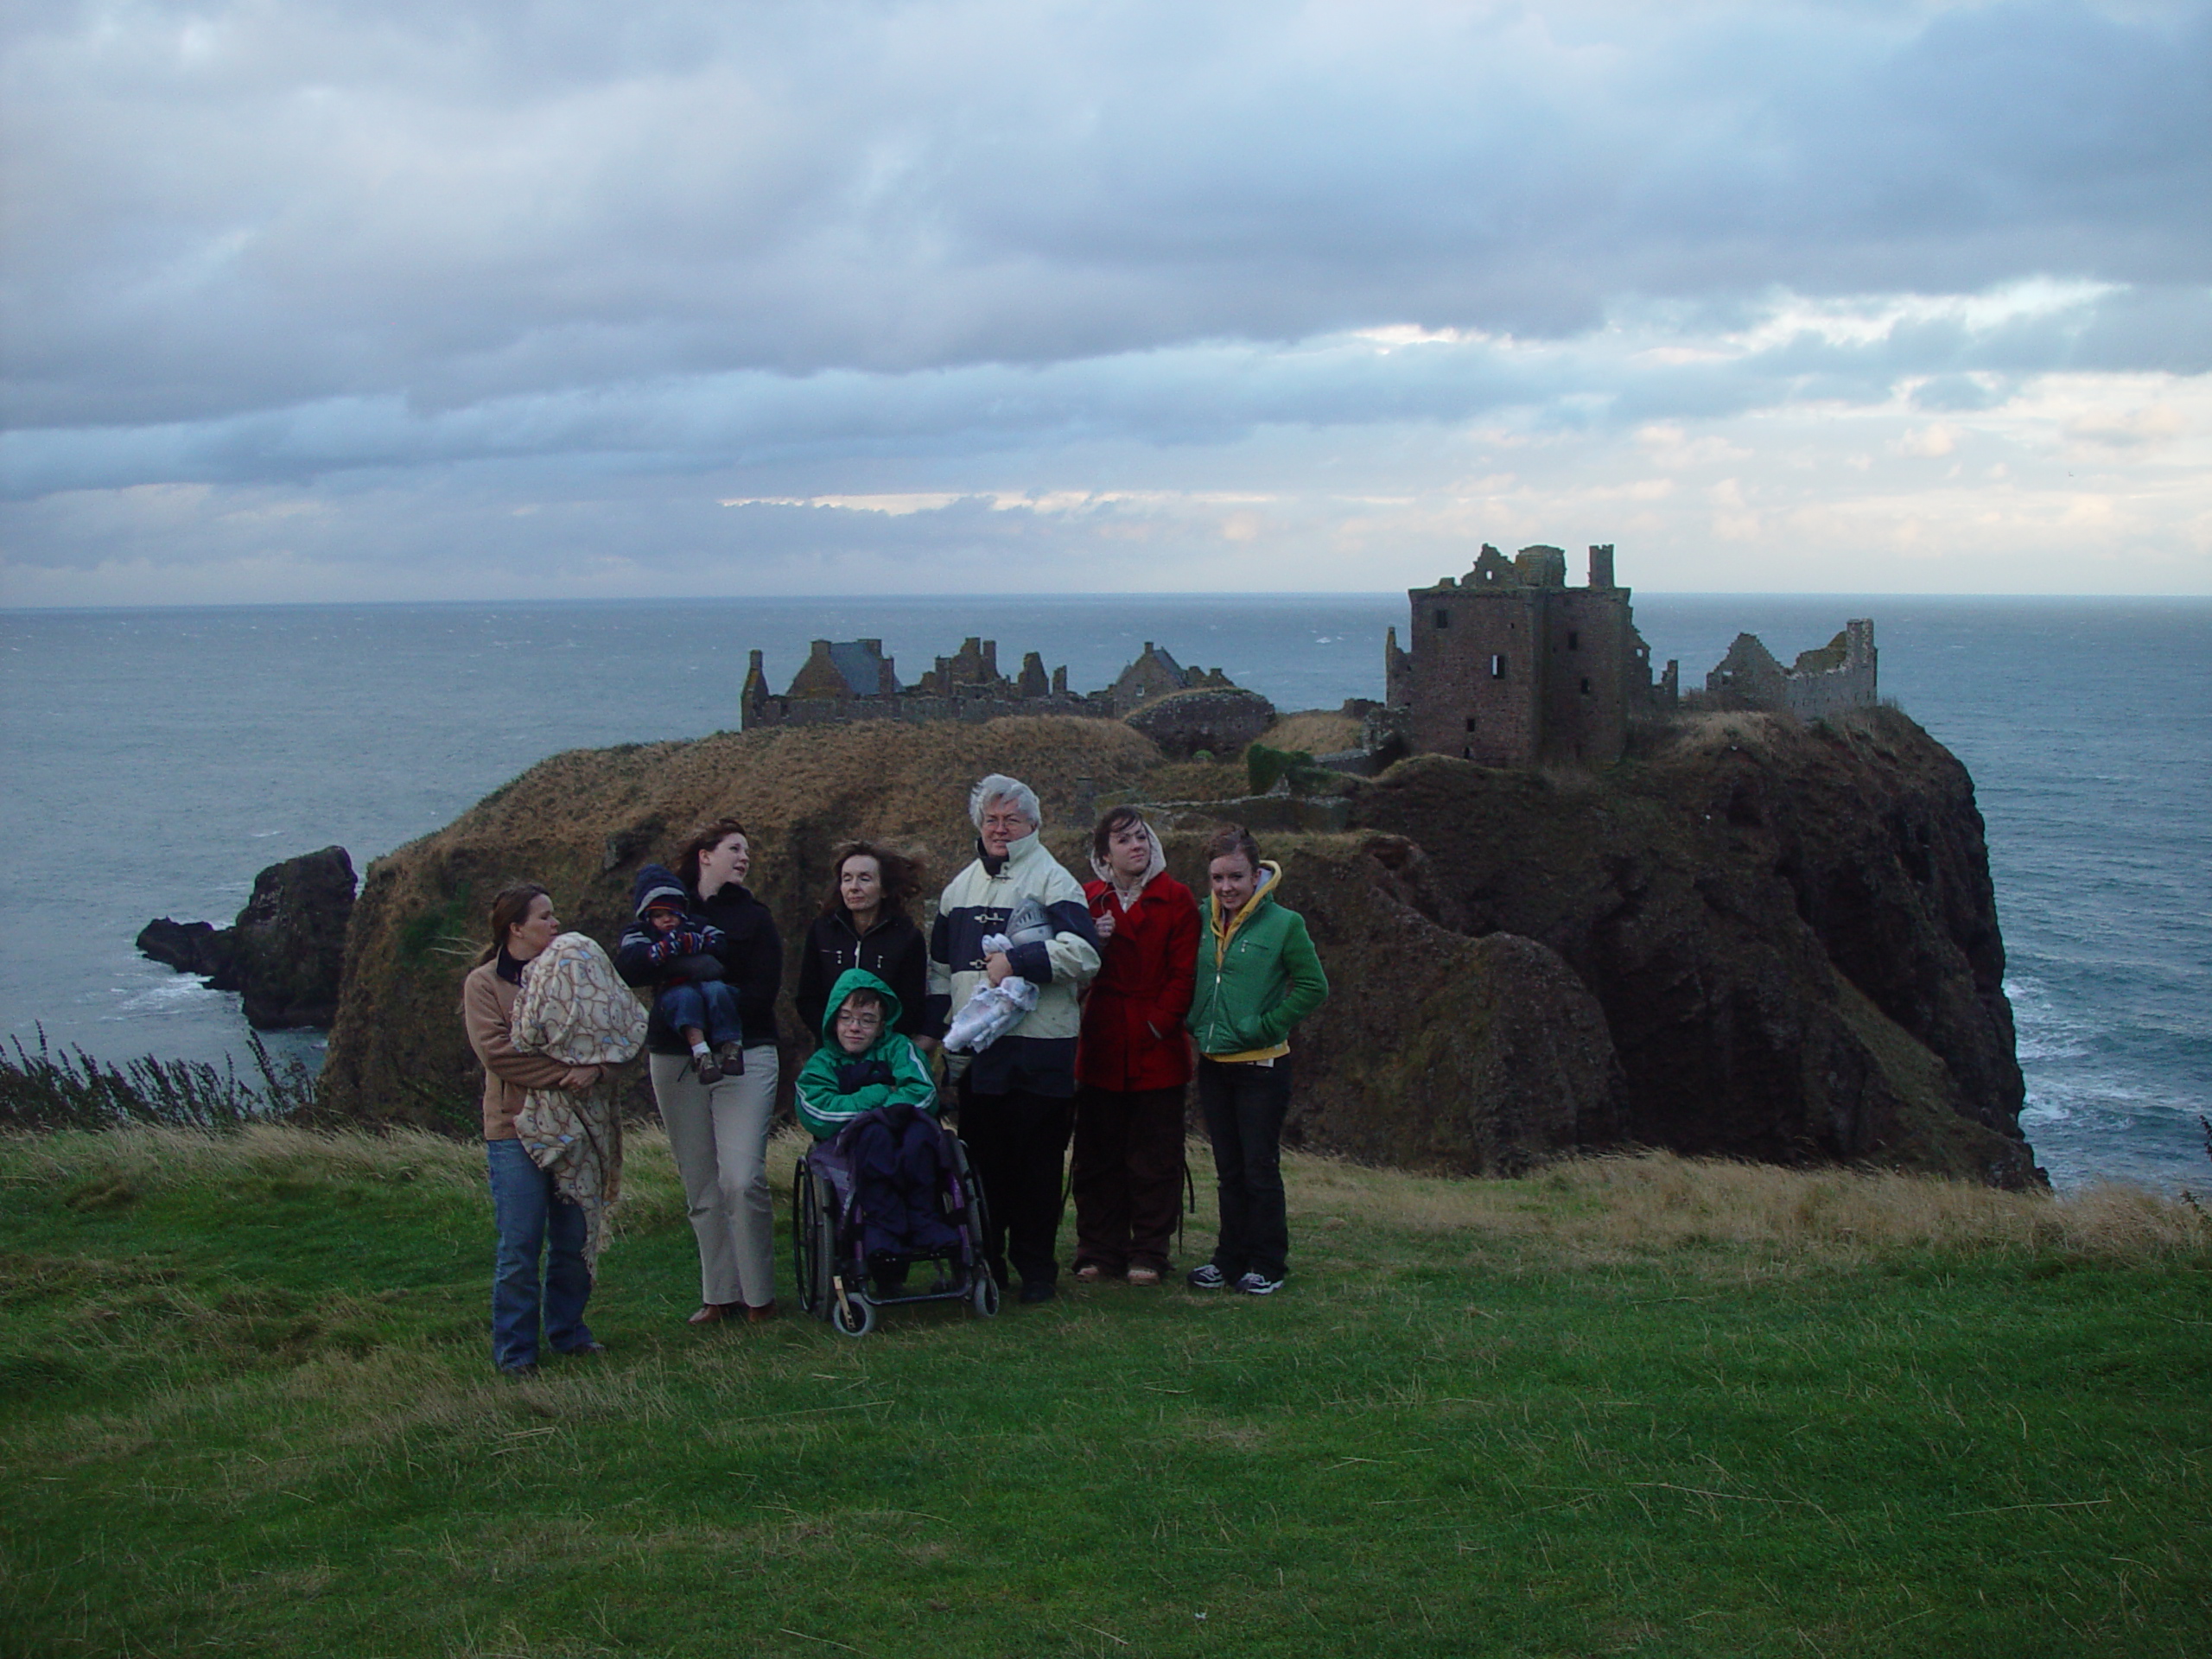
(1245, 1106)
(531, 1219)
(708, 1004)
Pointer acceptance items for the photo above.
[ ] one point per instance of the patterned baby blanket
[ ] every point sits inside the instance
(575, 1009)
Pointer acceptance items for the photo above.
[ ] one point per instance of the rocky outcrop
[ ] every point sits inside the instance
(1791, 931)
(1762, 940)
(1221, 721)
(285, 953)
(189, 947)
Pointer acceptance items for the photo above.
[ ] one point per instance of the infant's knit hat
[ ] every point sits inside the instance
(668, 896)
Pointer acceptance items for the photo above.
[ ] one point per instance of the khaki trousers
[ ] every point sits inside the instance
(720, 1138)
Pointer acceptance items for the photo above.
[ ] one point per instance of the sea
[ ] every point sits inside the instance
(153, 760)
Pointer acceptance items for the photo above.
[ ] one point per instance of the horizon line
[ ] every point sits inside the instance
(1277, 596)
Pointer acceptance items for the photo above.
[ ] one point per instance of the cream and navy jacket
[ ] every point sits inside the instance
(1037, 1056)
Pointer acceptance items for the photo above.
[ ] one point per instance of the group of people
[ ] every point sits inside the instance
(1112, 995)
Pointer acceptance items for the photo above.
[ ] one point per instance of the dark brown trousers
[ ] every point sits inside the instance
(1127, 1177)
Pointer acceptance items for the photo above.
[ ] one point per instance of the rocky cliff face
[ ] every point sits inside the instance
(1759, 940)
(1791, 931)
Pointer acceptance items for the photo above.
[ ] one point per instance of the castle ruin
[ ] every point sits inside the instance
(852, 679)
(1837, 676)
(1509, 666)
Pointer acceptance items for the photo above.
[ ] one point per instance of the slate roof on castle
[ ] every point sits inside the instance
(852, 679)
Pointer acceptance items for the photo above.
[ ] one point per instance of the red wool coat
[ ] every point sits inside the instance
(1133, 1034)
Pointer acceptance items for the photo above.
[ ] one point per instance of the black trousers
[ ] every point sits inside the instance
(1017, 1142)
(1244, 1105)
(1127, 1176)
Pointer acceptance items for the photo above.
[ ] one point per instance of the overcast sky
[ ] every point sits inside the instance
(471, 299)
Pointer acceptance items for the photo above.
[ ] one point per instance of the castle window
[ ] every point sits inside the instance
(1443, 618)
(1497, 667)
(1574, 641)
(1586, 687)
(1471, 723)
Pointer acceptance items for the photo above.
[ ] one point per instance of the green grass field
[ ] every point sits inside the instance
(1630, 1406)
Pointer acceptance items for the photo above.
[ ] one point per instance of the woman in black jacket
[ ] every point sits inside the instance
(718, 1132)
(864, 925)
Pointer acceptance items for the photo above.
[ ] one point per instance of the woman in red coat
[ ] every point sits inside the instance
(1133, 1062)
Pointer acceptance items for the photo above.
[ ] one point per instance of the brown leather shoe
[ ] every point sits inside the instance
(754, 1315)
(714, 1312)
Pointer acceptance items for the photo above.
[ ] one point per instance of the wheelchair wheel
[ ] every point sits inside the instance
(979, 1213)
(985, 1297)
(853, 1317)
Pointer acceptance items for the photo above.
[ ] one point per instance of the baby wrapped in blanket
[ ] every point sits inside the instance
(573, 1007)
(993, 1009)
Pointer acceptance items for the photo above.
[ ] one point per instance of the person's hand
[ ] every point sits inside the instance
(580, 1079)
(927, 1044)
(997, 967)
(1105, 926)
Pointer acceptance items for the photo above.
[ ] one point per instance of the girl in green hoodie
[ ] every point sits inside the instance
(1257, 977)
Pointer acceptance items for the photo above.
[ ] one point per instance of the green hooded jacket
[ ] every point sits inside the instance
(823, 1106)
(1258, 982)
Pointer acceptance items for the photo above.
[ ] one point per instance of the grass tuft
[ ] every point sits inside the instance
(43, 1090)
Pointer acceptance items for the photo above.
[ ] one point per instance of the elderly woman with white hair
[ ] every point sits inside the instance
(1017, 1097)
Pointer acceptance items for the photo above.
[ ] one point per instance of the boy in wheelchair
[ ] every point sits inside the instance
(869, 1100)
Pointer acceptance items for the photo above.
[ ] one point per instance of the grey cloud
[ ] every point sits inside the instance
(1212, 394)
(465, 205)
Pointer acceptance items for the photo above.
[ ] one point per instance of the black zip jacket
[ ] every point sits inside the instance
(893, 950)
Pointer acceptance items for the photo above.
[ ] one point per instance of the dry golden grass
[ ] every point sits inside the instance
(1644, 1202)
(889, 779)
(1316, 731)
(109, 1167)
(146, 1158)
(1648, 1202)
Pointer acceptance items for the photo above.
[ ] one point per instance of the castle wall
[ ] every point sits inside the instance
(1748, 677)
(1588, 660)
(825, 711)
(1849, 684)
(1477, 667)
(1839, 676)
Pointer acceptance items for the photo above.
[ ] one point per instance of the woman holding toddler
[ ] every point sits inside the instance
(717, 1113)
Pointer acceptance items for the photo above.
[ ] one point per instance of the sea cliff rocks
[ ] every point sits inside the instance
(1791, 931)
(284, 954)
(1752, 938)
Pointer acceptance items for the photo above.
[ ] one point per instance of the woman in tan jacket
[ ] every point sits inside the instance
(531, 1219)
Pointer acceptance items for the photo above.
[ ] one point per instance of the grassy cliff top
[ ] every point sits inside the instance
(1632, 1404)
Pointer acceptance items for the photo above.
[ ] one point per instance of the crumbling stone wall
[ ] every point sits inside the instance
(852, 679)
(1823, 683)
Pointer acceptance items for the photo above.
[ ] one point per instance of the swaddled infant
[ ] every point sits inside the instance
(993, 1009)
